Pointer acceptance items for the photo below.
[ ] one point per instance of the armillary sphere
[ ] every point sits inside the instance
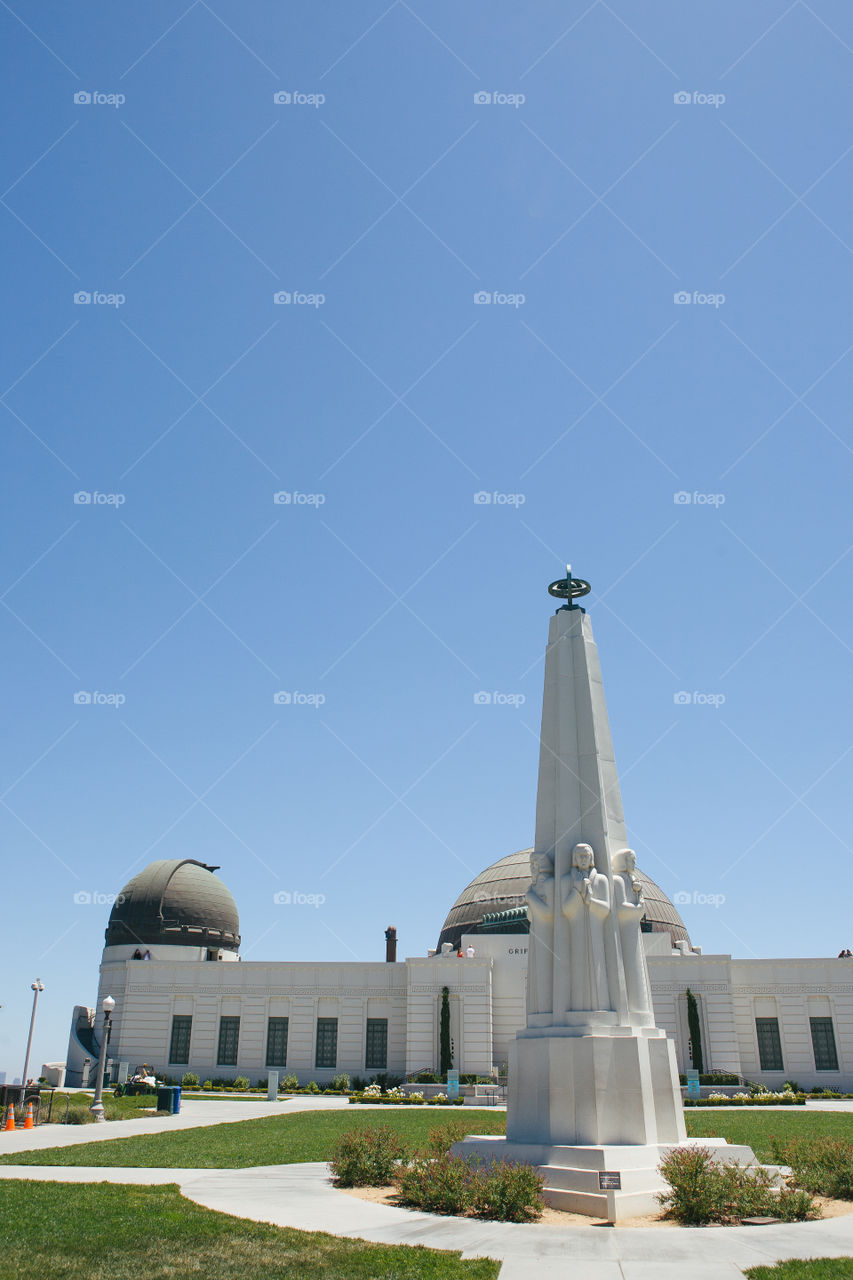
(569, 588)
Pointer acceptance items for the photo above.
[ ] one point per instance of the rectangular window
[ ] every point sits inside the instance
(229, 1038)
(823, 1044)
(769, 1044)
(376, 1054)
(179, 1045)
(277, 1042)
(327, 1043)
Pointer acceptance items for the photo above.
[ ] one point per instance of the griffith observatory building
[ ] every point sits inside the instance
(185, 1001)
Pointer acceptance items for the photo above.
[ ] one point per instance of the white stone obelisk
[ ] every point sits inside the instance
(593, 1084)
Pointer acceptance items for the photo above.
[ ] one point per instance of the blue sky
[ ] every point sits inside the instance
(691, 458)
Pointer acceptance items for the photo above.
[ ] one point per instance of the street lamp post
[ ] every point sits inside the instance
(97, 1107)
(37, 987)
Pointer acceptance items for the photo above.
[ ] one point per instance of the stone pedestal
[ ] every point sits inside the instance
(571, 1173)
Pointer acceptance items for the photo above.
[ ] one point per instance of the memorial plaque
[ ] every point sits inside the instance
(693, 1088)
(609, 1181)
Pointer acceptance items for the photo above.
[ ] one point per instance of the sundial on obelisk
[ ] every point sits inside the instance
(569, 588)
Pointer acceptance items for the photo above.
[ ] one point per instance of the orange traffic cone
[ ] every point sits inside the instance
(10, 1120)
(28, 1123)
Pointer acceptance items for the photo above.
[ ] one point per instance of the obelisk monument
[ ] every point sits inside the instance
(593, 1094)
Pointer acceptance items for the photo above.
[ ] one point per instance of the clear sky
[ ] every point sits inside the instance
(581, 165)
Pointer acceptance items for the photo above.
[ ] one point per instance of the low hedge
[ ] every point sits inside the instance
(371, 1100)
(793, 1100)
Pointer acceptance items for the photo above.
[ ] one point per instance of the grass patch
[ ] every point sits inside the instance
(138, 1107)
(811, 1269)
(104, 1232)
(755, 1128)
(290, 1139)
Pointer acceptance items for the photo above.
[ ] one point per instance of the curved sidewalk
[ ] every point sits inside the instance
(300, 1196)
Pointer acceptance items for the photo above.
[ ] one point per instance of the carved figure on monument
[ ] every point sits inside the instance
(540, 953)
(585, 903)
(630, 907)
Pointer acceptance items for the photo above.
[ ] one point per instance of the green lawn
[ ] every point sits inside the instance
(754, 1128)
(310, 1135)
(133, 1108)
(287, 1139)
(103, 1232)
(813, 1269)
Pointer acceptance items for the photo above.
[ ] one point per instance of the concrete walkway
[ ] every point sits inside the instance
(301, 1196)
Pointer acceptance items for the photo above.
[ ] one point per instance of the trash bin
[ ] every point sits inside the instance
(176, 1099)
(164, 1098)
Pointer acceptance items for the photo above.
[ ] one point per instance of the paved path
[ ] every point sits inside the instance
(300, 1196)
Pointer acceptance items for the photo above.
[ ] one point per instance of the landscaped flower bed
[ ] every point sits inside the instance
(785, 1098)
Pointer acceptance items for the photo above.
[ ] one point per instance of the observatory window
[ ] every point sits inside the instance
(327, 1042)
(823, 1044)
(376, 1049)
(277, 1042)
(179, 1045)
(769, 1044)
(229, 1038)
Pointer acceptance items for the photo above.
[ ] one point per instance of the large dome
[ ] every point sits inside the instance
(176, 901)
(502, 886)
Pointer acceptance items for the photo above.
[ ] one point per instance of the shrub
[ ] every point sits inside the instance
(508, 1192)
(312, 1087)
(442, 1137)
(290, 1082)
(207, 1084)
(792, 1086)
(366, 1157)
(701, 1191)
(426, 1077)
(359, 1084)
(822, 1166)
(340, 1083)
(437, 1186)
(189, 1080)
(241, 1084)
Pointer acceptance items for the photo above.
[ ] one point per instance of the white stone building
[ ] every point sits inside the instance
(195, 1006)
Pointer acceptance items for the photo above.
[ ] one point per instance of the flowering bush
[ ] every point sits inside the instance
(366, 1157)
(823, 1166)
(448, 1184)
(701, 1191)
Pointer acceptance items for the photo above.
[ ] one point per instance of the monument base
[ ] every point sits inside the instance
(585, 1086)
(572, 1181)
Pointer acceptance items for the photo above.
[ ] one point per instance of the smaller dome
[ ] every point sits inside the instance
(502, 886)
(178, 902)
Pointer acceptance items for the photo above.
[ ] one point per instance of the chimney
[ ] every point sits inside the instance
(390, 945)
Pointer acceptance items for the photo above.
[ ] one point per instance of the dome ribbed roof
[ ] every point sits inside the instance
(503, 885)
(177, 901)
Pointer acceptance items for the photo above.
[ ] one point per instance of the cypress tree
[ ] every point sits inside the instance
(695, 1029)
(445, 1050)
